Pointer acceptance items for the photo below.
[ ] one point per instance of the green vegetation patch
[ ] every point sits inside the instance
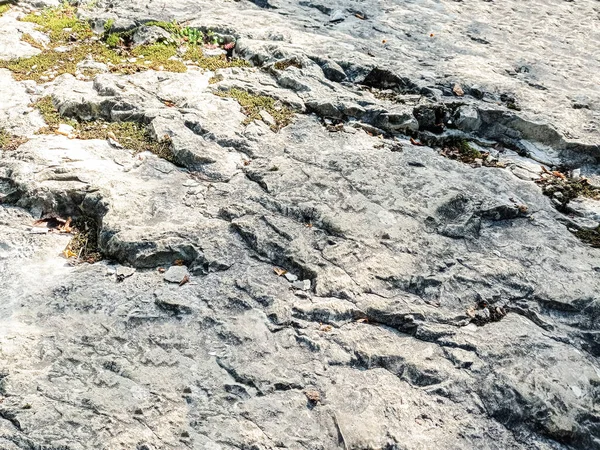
(4, 9)
(60, 23)
(71, 43)
(253, 104)
(130, 135)
(196, 55)
(9, 141)
(51, 63)
(461, 150)
(161, 57)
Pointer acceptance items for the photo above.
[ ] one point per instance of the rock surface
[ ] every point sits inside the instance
(348, 289)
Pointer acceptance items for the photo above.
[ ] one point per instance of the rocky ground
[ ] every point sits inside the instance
(381, 232)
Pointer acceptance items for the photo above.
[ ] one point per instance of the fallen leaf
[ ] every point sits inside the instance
(279, 271)
(415, 142)
(67, 253)
(186, 279)
(431, 35)
(363, 320)
(161, 270)
(169, 103)
(178, 262)
(325, 328)
(557, 174)
(458, 91)
(384, 41)
(360, 16)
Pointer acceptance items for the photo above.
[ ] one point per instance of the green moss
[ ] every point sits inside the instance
(54, 63)
(213, 63)
(113, 40)
(467, 152)
(130, 135)
(4, 9)
(161, 56)
(60, 23)
(253, 104)
(172, 27)
(216, 79)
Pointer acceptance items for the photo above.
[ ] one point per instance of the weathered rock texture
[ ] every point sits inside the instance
(428, 303)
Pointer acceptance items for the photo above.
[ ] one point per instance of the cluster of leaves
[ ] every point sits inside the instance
(253, 104)
(130, 135)
(9, 141)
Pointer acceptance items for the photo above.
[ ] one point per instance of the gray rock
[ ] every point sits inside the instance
(429, 307)
(175, 274)
(145, 35)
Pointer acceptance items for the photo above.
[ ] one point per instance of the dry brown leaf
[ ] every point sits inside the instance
(325, 328)
(557, 174)
(415, 142)
(178, 262)
(458, 91)
(186, 279)
(363, 320)
(279, 271)
(67, 253)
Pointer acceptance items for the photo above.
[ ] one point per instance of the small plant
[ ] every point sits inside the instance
(193, 36)
(4, 9)
(113, 40)
(108, 25)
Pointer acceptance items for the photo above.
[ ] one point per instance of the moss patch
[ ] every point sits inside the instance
(4, 9)
(60, 23)
(591, 237)
(253, 104)
(161, 57)
(196, 55)
(52, 63)
(71, 43)
(130, 135)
